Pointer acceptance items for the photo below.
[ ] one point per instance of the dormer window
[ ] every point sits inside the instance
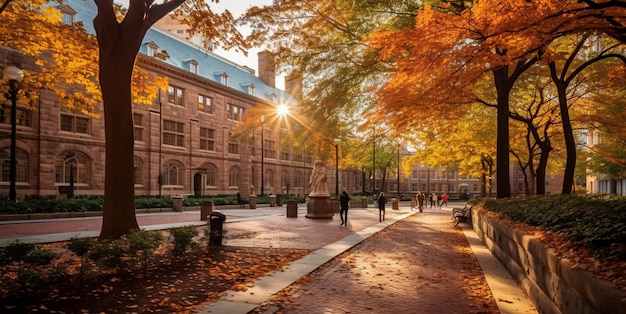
(223, 77)
(249, 87)
(152, 49)
(69, 14)
(192, 66)
(272, 96)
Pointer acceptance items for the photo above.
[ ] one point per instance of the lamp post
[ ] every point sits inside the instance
(337, 141)
(262, 154)
(15, 75)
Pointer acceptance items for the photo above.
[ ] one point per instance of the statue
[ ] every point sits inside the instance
(318, 180)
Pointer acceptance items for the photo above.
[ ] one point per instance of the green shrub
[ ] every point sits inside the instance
(596, 222)
(182, 238)
(142, 244)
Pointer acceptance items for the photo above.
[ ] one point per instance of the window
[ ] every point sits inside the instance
(269, 178)
(284, 179)
(233, 178)
(138, 129)
(233, 148)
(21, 158)
(180, 31)
(423, 174)
(205, 104)
(75, 124)
(207, 139)
(175, 95)
(224, 79)
(269, 149)
(173, 173)
(284, 156)
(414, 174)
(68, 14)
(299, 157)
(138, 170)
(23, 116)
(251, 90)
(71, 165)
(211, 175)
(234, 112)
(173, 133)
(152, 49)
(193, 68)
(299, 179)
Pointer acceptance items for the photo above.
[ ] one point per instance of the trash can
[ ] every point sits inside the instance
(252, 201)
(177, 203)
(292, 209)
(279, 200)
(206, 208)
(216, 223)
(394, 203)
(272, 200)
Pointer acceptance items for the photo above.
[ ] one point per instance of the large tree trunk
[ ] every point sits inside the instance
(118, 44)
(503, 87)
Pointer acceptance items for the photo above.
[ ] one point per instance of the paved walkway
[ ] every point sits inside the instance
(410, 263)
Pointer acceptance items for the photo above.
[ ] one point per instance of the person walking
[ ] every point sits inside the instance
(344, 201)
(444, 199)
(433, 200)
(381, 206)
(420, 200)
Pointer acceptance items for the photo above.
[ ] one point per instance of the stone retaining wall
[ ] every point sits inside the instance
(550, 282)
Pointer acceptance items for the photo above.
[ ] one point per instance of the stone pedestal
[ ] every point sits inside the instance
(319, 207)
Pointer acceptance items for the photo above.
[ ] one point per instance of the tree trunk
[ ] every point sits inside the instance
(119, 191)
(570, 142)
(503, 87)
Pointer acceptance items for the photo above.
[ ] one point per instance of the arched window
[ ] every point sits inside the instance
(269, 178)
(233, 178)
(299, 179)
(138, 170)
(21, 158)
(173, 172)
(284, 179)
(72, 163)
(211, 174)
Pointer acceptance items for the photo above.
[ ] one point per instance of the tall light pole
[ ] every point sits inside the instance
(15, 75)
(337, 141)
(262, 154)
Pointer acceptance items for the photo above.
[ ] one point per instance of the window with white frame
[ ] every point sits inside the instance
(205, 103)
(234, 112)
(175, 95)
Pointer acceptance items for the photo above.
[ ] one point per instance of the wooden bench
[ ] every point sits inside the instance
(462, 215)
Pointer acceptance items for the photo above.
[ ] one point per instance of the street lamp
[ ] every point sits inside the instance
(262, 154)
(337, 141)
(15, 75)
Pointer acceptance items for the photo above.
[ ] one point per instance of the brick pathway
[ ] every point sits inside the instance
(418, 265)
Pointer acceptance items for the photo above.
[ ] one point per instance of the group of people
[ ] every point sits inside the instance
(433, 198)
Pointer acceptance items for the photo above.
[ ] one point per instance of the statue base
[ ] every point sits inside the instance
(319, 207)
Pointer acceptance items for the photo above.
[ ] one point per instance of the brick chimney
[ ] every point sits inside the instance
(293, 84)
(267, 68)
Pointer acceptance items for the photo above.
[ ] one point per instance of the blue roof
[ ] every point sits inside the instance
(180, 51)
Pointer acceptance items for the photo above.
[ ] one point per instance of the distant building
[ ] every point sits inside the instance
(598, 183)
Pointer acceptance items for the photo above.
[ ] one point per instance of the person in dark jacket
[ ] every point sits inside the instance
(382, 199)
(344, 201)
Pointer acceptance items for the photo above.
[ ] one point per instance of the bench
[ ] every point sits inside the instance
(462, 215)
